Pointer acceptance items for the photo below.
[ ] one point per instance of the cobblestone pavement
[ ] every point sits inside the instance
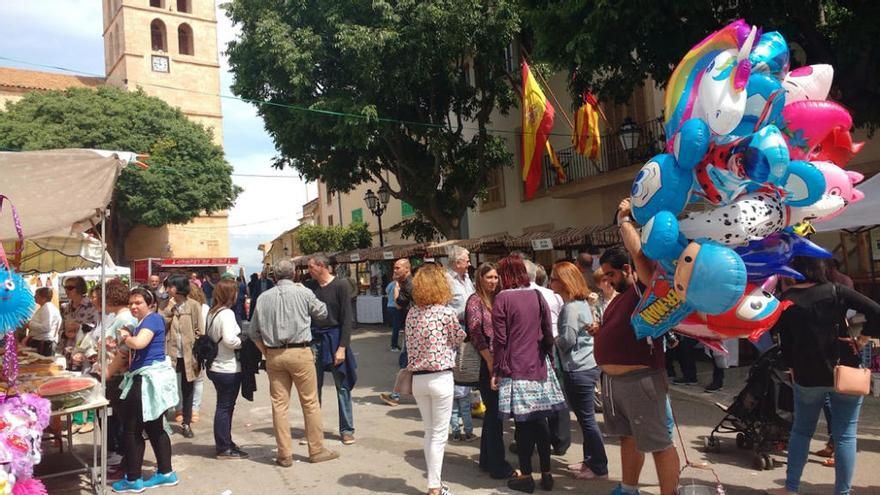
(387, 457)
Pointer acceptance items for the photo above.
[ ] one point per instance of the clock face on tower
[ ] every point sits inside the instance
(160, 63)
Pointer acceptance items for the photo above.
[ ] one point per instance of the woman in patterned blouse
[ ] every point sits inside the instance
(478, 316)
(433, 335)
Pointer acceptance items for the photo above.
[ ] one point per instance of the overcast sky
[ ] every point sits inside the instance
(67, 33)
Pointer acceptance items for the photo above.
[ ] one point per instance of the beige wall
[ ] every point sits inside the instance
(355, 199)
(192, 82)
(10, 95)
(204, 237)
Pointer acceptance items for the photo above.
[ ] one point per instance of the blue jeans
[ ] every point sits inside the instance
(394, 316)
(580, 387)
(461, 409)
(227, 386)
(343, 395)
(808, 403)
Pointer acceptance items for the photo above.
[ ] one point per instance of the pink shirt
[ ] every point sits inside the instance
(433, 335)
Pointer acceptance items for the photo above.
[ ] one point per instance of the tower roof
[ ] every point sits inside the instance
(38, 80)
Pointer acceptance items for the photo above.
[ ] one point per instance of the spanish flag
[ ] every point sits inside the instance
(585, 137)
(537, 121)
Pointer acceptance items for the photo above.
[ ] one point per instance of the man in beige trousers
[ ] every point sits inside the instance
(281, 328)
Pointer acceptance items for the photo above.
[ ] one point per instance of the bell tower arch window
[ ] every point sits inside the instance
(185, 40)
(158, 36)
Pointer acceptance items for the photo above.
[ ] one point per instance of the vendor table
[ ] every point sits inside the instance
(97, 470)
(369, 309)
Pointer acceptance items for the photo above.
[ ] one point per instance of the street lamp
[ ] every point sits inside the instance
(629, 134)
(377, 204)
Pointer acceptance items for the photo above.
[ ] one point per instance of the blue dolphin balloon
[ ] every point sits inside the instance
(771, 255)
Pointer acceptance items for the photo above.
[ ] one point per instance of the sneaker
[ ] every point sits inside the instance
(455, 436)
(395, 349)
(469, 437)
(620, 491)
(114, 459)
(348, 439)
(683, 381)
(159, 479)
(325, 455)
(389, 399)
(713, 387)
(232, 455)
(284, 461)
(86, 428)
(187, 431)
(587, 474)
(125, 486)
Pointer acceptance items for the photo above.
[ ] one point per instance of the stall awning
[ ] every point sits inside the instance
(196, 262)
(486, 244)
(570, 237)
(58, 254)
(57, 192)
(380, 253)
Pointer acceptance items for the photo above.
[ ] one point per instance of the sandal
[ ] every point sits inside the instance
(828, 462)
(827, 451)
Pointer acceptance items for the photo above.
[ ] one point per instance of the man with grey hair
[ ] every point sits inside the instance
(560, 430)
(459, 281)
(281, 329)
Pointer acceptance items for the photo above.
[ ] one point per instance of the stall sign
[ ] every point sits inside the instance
(542, 244)
(388, 255)
(354, 258)
(199, 261)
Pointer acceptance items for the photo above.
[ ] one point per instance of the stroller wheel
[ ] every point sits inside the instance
(759, 462)
(743, 441)
(712, 444)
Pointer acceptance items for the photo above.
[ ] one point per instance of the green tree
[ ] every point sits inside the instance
(436, 68)
(317, 238)
(611, 47)
(187, 172)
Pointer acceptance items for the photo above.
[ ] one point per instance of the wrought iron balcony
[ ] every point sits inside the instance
(650, 140)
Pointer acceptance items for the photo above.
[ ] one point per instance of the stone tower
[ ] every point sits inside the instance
(168, 48)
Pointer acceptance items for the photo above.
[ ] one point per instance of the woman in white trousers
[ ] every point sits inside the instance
(433, 336)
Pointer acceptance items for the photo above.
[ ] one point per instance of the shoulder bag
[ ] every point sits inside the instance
(467, 361)
(849, 380)
(403, 382)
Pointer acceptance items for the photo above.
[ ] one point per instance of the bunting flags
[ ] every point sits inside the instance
(585, 136)
(537, 121)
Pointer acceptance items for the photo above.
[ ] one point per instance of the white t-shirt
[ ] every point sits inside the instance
(45, 324)
(554, 302)
(224, 330)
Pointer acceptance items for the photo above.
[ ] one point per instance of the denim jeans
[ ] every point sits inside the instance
(808, 403)
(343, 395)
(394, 316)
(461, 410)
(581, 387)
(227, 386)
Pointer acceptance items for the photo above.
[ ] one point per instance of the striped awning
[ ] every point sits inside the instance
(571, 237)
(487, 244)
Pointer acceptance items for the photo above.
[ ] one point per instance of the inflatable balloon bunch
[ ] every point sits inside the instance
(753, 150)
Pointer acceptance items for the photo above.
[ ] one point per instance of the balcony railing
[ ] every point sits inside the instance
(650, 141)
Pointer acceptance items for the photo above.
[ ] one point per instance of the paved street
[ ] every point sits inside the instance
(388, 457)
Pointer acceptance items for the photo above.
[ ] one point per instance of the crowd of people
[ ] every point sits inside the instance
(545, 344)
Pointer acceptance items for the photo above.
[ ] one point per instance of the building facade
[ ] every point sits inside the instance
(169, 49)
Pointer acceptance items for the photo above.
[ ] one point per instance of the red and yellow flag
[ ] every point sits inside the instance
(537, 121)
(554, 160)
(585, 137)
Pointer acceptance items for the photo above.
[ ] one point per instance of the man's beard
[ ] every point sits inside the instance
(623, 285)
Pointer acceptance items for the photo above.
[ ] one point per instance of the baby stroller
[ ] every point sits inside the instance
(761, 413)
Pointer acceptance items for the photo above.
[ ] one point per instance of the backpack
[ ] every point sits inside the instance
(205, 348)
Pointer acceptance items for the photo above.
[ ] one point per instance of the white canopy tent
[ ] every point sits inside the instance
(865, 213)
(59, 195)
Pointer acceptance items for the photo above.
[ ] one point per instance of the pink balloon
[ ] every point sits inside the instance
(840, 182)
(809, 122)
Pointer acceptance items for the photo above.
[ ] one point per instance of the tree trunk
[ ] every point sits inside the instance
(119, 231)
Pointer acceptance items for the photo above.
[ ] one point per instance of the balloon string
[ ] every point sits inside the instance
(687, 462)
(18, 230)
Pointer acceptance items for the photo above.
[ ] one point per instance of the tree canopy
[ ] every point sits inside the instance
(611, 47)
(416, 83)
(187, 173)
(316, 238)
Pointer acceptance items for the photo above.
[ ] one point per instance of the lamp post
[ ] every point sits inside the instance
(629, 136)
(377, 204)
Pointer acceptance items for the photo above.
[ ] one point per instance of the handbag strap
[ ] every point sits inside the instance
(835, 294)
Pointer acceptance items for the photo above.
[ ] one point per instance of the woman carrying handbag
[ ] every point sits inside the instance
(824, 362)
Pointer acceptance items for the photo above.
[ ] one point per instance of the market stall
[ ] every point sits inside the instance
(81, 184)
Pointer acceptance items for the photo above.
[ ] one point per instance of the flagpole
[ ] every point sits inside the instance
(526, 56)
